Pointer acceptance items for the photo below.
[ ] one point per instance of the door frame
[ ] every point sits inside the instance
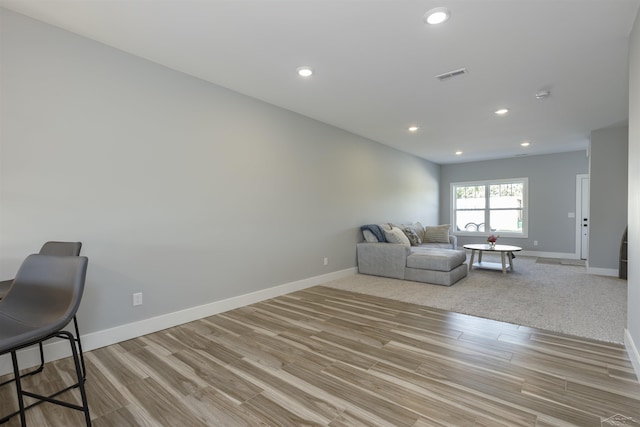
(579, 179)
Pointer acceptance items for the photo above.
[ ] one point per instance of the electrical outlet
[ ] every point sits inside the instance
(326, 261)
(137, 298)
(535, 243)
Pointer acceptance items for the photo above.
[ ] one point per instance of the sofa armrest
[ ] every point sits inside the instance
(382, 259)
(454, 241)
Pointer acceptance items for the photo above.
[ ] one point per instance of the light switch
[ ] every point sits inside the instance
(572, 214)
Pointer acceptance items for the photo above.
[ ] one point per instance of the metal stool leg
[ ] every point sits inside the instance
(16, 372)
(78, 360)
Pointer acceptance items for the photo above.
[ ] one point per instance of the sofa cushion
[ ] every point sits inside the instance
(395, 235)
(436, 259)
(437, 246)
(437, 234)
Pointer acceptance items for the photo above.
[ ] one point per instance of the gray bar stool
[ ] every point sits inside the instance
(49, 248)
(45, 297)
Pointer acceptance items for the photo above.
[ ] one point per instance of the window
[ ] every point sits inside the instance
(490, 207)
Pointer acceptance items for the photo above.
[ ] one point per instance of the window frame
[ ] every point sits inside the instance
(487, 209)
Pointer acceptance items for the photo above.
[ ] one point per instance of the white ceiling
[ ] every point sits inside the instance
(375, 62)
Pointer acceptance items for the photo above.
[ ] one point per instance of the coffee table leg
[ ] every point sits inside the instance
(504, 267)
(510, 254)
(473, 252)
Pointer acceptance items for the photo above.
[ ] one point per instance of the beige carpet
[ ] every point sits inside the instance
(557, 297)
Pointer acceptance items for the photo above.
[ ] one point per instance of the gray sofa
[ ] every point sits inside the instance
(430, 258)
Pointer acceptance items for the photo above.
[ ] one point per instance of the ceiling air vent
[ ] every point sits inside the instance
(446, 76)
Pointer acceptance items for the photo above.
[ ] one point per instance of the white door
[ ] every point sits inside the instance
(584, 217)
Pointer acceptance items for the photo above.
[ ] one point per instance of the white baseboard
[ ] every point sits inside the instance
(560, 255)
(57, 350)
(602, 271)
(633, 353)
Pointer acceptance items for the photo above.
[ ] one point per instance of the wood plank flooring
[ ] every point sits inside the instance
(325, 357)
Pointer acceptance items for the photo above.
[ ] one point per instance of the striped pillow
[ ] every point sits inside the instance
(395, 235)
(437, 234)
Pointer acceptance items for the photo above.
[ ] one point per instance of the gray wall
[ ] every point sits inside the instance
(608, 157)
(633, 283)
(179, 189)
(549, 223)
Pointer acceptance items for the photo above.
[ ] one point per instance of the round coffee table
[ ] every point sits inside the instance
(506, 251)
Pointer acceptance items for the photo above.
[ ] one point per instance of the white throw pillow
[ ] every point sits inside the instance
(395, 235)
(369, 236)
(385, 226)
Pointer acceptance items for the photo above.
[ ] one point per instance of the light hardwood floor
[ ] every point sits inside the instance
(325, 357)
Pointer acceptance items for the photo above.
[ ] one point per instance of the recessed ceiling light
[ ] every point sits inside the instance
(525, 143)
(413, 128)
(502, 111)
(458, 153)
(305, 71)
(437, 15)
